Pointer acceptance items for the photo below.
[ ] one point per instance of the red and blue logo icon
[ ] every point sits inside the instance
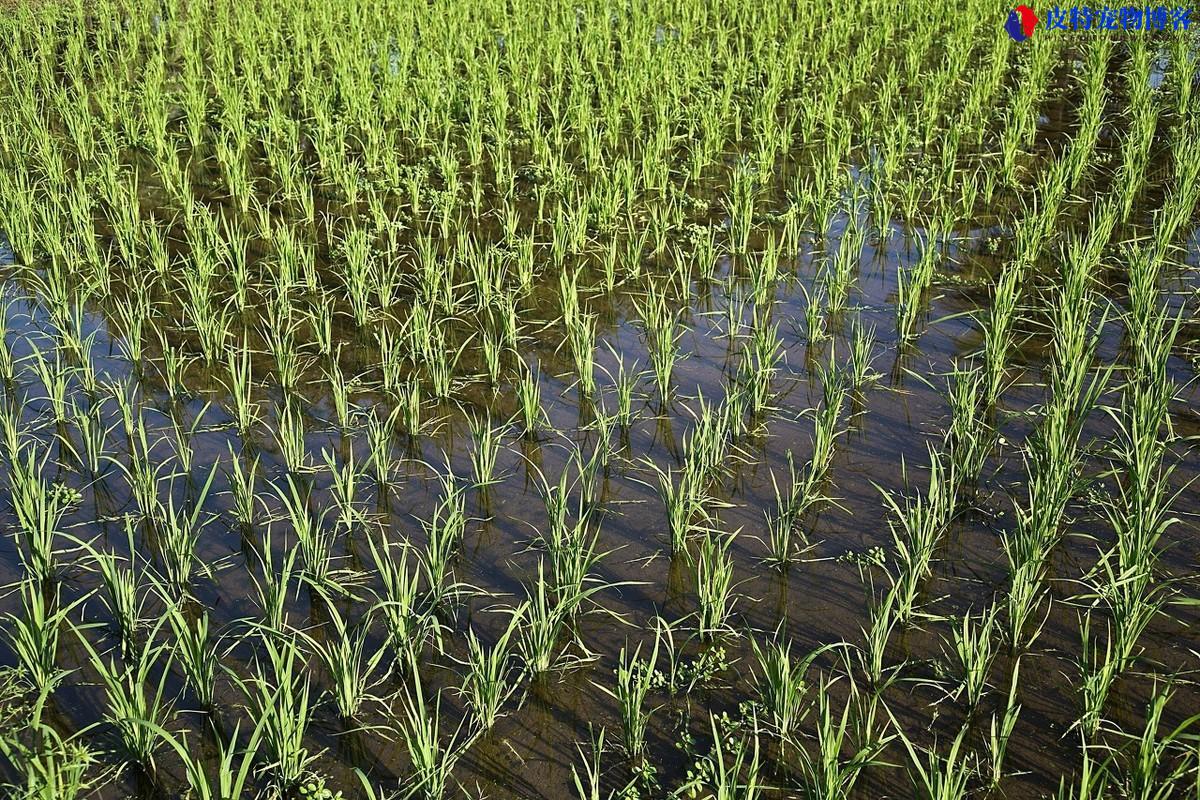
(1021, 22)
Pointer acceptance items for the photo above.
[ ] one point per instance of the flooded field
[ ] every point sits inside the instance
(544, 400)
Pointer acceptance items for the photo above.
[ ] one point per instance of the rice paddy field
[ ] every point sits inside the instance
(543, 399)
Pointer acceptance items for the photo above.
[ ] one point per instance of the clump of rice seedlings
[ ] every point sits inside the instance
(546, 621)
(686, 502)
(196, 652)
(938, 776)
(998, 332)
(588, 786)
(490, 682)
(33, 635)
(911, 288)
(790, 506)
(352, 667)
(345, 489)
(235, 767)
(399, 602)
(487, 440)
(120, 595)
(39, 510)
(136, 703)
(280, 696)
(862, 353)
(1099, 670)
(242, 482)
(53, 768)
(633, 681)
(432, 761)
(314, 539)
(970, 439)
(529, 402)
(178, 533)
(972, 653)
(1000, 730)
(733, 775)
(581, 335)
(1164, 762)
(663, 333)
(828, 772)
(917, 528)
(379, 442)
(714, 584)
(782, 685)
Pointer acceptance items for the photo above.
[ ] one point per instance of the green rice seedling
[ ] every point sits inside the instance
(529, 400)
(90, 453)
(351, 667)
(714, 584)
(492, 350)
(884, 620)
(346, 480)
(279, 694)
(33, 635)
(545, 623)
(179, 538)
(912, 286)
(55, 768)
(999, 733)
(581, 336)
(739, 778)
(444, 531)
(828, 773)
(487, 440)
(759, 366)
(121, 590)
(917, 528)
(862, 352)
(936, 776)
(663, 333)
(998, 332)
(633, 681)
(784, 524)
(589, 785)
(135, 702)
(625, 383)
(1099, 671)
(379, 442)
(782, 685)
(290, 438)
(314, 541)
(1025, 596)
(339, 394)
(8, 363)
(407, 624)
(1164, 764)
(195, 651)
(1091, 782)
(242, 482)
(39, 510)
(489, 682)
(970, 439)
(684, 501)
(827, 427)
(973, 652)
(432, 762)
(55, 379)
(234, 770)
